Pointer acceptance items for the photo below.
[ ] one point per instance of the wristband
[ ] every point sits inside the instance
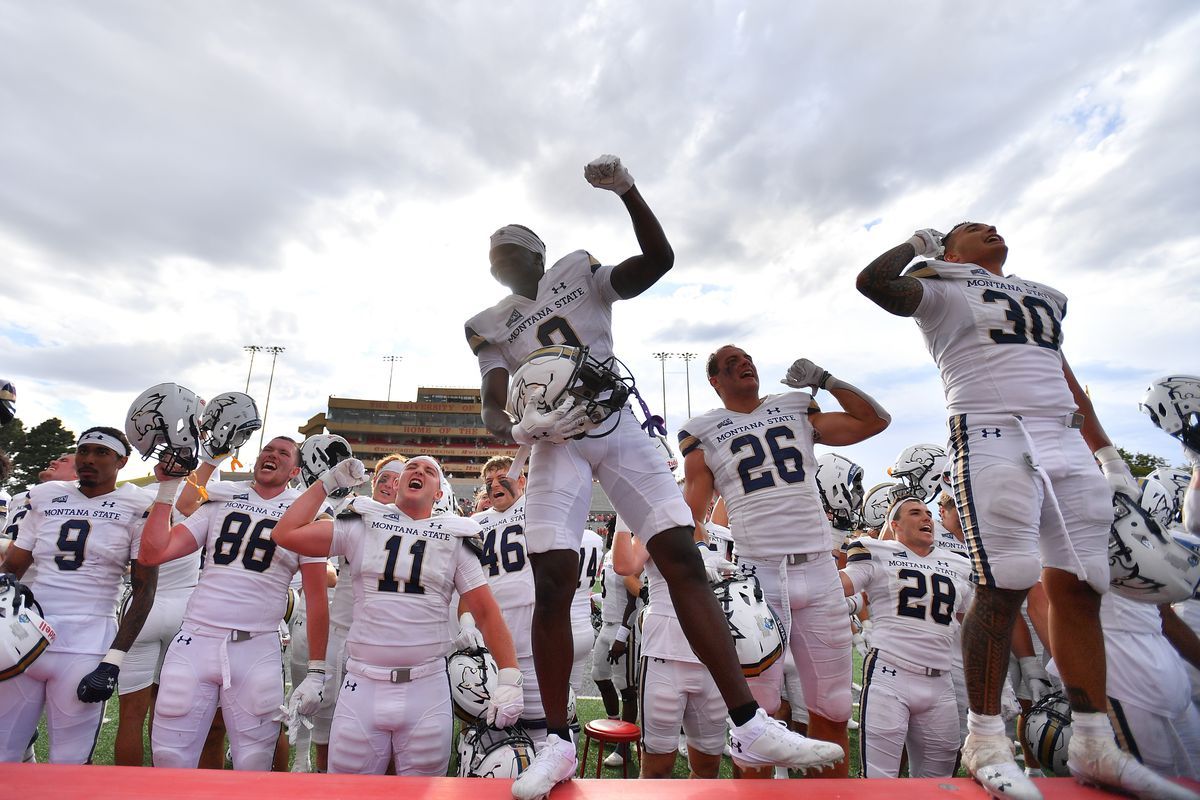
(1107, 455)
(622, 634)
(114, 657)
(317, 666)
(167, 491)
(467, 620)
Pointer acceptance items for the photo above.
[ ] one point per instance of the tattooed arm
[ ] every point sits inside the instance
(883, 284)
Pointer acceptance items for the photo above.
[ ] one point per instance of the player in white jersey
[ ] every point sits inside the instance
(583, 635)
(757, 453)
(612, 662)
(675, 689)
(571, 303)
(505, 563)
(1023, 434)
(81, 536)
(394, 702)
(918, 593)
(227, 652)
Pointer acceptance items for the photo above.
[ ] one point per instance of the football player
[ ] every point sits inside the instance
(405, 563)
(583, 635)
(228, 650)
(612, 661)
(81, 535)
(757, 453)
(1023, 434)
(918, 592)
(571, 304)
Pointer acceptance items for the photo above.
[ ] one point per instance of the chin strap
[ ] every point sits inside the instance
(654, 424)
(191, 478)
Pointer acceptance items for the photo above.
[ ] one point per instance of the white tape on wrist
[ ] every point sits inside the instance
(622, 634)
(511, 676)
(167, 491)
(114, 657)
(1107, 455)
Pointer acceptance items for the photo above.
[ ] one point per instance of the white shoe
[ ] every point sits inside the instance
(852, 724)
(1099, 762)
(683, 746)
(614, 760)
(765, 742)
(990, 761)
(554, 762)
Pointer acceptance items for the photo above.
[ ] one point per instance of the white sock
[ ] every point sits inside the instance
(1095, 724)
(985, 724)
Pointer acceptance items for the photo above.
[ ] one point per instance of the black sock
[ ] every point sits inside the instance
(743, 713)
(562, 733)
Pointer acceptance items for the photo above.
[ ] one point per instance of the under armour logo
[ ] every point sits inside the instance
(350, 685)
(562, 287)
(772, 410)
(109, 504)
(887, 670)
(724, 422)
(185, 639)
(986, 432)
(735, 744)
(437, 526)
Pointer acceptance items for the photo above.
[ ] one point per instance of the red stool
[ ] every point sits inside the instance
(609, 731)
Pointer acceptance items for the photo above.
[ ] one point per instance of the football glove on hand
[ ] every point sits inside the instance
(1116, 471)
(99, 684)
(617, 650)
(469, 637)
(1010, 707)
(306, 697)
(804, 374)
(555, 426)
(508, 702)
(22, 594)
(927, 242)
(344, 475)
(1034, 676)
(607, 172)
(292, 721)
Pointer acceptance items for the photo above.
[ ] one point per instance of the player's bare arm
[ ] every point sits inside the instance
(494, 394)
(143, 580)
(861, 418)
(883, 284)
(1116, 471)
(482, 604)
(637, 274)
(16, 561)
(629, 554)
(699, 486)
(1181, 637)
(298, 529)
(314, 578)
(191, 497)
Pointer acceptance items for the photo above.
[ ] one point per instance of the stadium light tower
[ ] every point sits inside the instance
(687, 377)
(251, 349)
(274, 351)
(391, 361)
(662, 361)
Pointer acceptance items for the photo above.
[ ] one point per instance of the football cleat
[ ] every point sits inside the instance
(766, 742)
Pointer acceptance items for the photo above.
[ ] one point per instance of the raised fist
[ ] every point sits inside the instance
(607, 172)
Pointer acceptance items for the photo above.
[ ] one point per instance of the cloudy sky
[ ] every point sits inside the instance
(178, 180)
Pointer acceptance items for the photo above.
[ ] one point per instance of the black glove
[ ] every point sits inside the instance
(99, 684)
(22, 594)
(616, 651)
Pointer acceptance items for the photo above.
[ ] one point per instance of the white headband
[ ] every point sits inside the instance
(111, 442)
(396, 466)
(431, 460)
(515, 234)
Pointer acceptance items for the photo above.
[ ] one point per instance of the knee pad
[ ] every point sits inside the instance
(261, 691)
(1006, 499)
(834, 706)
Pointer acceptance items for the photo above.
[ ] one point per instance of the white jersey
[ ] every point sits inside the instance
(915, 600)
(244, 583)
(505, 560)
(995, 340)
(591, 553)
(613, 594)
(662, 636)
(573, 307)
(179, 575)
(764, 466)
(405, 572)
(81, 546)
(946, 540)
(1135, 648)
(18, 507)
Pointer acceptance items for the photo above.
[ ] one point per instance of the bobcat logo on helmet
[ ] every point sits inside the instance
(321, 453)
(228, 422)
(561, 371)
(1145, 564)
(920, 468)
(875, 504)
(163, 422)
(1173, 404)
(474, 678)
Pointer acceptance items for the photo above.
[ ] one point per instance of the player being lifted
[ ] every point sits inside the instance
(1022, 438)
(571, 303)
(757, 453)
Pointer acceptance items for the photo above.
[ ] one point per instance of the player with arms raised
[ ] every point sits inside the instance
(1022, 438)
(571, 304)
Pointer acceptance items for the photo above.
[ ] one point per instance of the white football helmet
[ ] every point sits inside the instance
(1176, 482)
(228, 422)
(875, 504)
(720, 540)
(485, 752)
(920, 468)
(474, 678)
(321, 453)
(1157, 501)
(24, 635)
(164, 422)
(564, 371)
(1145, 564)
(839, 481)
(1047, 732)
(8, 401)
(1173, 404)
(757, 633)
(446, 503)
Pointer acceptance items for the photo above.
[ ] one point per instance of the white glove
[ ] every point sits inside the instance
(344, 475)
(508, 701)
(1009, 706)
(607, 172)
(862, 641)
(718, 569)
(804, 374)
(306, 697)
(469, 637)
(555, 426)
(927, 242)
(209, 455)
(292, 721)
(1036, 679)
(1120, 479)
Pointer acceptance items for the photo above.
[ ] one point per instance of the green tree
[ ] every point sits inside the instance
(1141, 464)
(34, 449)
